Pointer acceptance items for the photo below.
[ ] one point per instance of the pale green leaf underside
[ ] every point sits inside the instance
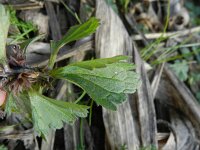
(100, 63)
(4, 26)
(49, 114)
(108, 86)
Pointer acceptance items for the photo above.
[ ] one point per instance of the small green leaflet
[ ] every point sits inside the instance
(181, 69)
(76, 32)
(10, 105)
(49, 114)
(2, 147)
(4, 26)
(107, 86)
(18, 104)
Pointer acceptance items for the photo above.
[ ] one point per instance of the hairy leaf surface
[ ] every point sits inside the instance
(108, 86)
(49, 113)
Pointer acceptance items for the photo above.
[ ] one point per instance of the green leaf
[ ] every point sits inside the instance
(18, 104)
(74, 33)
(10, 105)
(2, 147)
(78, 32)
(107, 86)
(4, 26)
(49, 114)
(99, 63)
(181, 69)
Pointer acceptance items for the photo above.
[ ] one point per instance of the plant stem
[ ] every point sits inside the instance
(71, 12)
(53, 56)
(168, 15)
(82, 95)
(174, 57)
(90, 116)
(21, 36)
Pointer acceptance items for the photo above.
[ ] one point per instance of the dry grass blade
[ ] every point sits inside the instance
(146, 110)
(174, 34)
(18, 135)
(188, 103)
(112, 39)
(156, 80)
(67, 54)
(183, 110)
(28, 6)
